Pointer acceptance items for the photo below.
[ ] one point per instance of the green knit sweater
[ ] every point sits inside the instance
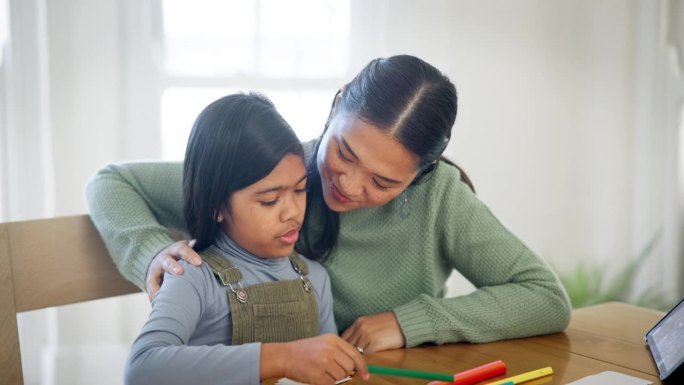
(384, 261)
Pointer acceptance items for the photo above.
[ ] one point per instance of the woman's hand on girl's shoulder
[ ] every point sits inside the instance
(167, 261)
(374, 333)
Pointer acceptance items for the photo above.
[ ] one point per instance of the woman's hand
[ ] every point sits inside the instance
(166, 261)
(320, 360)
(374, 333)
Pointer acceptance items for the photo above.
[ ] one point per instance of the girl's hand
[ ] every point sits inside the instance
(320, 360)
(374, 333)
(166, 261)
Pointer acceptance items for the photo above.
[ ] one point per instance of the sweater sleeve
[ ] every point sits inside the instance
(517, 295)
(133, 205)
(160, 354)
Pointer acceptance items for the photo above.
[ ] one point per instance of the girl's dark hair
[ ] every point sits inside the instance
(406, 97)
(235, 141)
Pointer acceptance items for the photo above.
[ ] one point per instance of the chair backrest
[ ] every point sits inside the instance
(49, 262)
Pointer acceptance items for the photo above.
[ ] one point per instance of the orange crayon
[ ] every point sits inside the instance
(477, 374)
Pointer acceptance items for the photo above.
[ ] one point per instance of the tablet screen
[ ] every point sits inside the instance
(666, 341)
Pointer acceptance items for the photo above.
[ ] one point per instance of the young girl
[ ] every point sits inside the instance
(254, 309)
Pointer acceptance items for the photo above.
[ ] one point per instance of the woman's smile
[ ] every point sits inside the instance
(339, 195)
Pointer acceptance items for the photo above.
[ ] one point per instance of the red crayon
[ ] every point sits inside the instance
(477, 374)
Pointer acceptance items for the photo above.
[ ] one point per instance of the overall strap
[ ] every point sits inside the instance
(228, 273)
(298, 264)
(302, 269)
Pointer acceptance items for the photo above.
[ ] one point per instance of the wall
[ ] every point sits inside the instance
(544, 118)
(559, 120)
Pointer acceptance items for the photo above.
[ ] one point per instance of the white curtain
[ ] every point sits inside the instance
(71, 90)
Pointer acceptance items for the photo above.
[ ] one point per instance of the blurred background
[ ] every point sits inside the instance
(570, 123)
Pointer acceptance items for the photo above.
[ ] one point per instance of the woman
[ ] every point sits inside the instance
(386, 217)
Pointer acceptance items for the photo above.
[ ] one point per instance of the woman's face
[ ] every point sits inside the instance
(361, 166)
(265, 217)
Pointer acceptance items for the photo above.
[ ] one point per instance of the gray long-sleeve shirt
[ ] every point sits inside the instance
(187, 338)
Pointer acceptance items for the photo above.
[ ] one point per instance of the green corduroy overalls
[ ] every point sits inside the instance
(278, 311)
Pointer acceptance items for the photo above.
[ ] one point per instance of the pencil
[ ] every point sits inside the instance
(525, 376)
(410, 373)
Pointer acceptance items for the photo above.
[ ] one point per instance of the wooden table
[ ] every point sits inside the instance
(604, 337)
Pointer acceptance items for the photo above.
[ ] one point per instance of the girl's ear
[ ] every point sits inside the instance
(218, 214)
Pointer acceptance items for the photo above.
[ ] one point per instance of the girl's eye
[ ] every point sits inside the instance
(341, 155)
(380, 186)
(302, 190)
(269, 203)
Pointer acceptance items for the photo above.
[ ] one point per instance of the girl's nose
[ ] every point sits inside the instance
(292, 207)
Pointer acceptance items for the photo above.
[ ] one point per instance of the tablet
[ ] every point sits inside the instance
(666, 341)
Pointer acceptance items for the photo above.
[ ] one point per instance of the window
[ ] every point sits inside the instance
(296, 52)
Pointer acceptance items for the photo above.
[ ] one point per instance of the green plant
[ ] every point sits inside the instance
(586, 285)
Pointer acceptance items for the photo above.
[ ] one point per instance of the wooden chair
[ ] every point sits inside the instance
(46, 263)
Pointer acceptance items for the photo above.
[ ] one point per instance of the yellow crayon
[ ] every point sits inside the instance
(525, 376)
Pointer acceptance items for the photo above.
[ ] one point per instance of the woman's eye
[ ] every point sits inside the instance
(302, 190)
(341, 155)
(269, 203)
(380, 186)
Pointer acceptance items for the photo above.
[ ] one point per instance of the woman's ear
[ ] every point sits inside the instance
(335, 104)
(338, 97)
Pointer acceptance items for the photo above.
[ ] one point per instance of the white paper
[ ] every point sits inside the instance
(609, 377)
(287, 381)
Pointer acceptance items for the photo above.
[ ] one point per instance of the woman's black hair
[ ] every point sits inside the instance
(235, 141)
(407, 98)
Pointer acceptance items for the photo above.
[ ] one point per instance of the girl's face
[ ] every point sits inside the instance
(265, 217)
(361, 166)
